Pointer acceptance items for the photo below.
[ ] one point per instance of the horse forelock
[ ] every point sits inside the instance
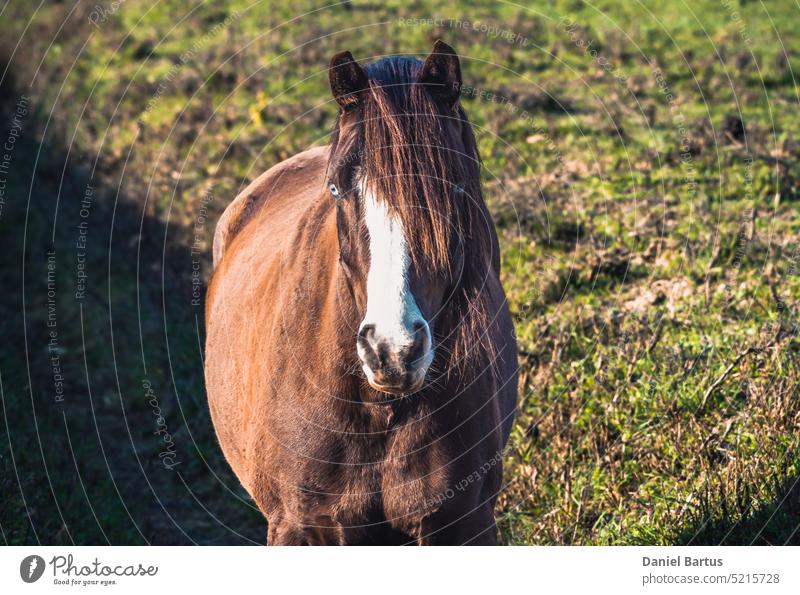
(420, 159)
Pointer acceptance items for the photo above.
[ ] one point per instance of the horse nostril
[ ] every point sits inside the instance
(419, 346)
(367, 334)
(368, 349)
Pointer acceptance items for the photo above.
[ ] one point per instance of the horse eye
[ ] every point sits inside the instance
(334, 190)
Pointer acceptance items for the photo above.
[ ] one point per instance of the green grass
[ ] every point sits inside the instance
(655, 295)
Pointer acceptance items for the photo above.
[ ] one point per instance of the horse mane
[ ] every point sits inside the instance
(422, 159)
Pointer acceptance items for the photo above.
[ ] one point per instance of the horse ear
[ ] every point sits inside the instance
(348, 80)
(441, 74)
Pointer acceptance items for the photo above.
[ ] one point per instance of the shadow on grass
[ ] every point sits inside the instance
(105, 435)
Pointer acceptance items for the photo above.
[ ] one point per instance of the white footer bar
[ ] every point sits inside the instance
(350, 571)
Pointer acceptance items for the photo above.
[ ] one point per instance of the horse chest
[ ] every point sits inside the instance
(414, 483)
(401, 487)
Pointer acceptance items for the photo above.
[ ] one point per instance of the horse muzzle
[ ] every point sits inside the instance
(395, 366)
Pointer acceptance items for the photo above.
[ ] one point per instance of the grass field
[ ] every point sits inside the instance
(641, 163)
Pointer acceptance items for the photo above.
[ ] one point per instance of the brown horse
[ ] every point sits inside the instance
(361, 362)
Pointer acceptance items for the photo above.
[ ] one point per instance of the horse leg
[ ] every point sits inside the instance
(284, 531)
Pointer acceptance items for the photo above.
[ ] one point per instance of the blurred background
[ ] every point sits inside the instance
(641, 163)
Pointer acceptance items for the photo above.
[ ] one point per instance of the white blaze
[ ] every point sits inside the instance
(391, 306)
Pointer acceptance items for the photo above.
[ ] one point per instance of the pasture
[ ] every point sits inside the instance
(641, 164)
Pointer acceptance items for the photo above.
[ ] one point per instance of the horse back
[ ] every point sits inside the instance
(286, 187)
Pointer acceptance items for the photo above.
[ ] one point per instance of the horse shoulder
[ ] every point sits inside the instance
(287, 179)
